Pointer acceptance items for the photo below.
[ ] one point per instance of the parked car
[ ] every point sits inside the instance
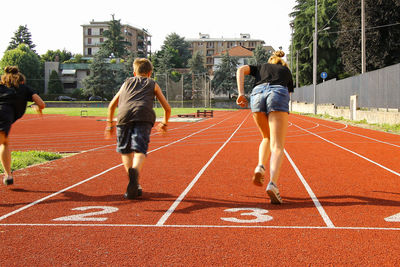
(65, 98)
(97, 98)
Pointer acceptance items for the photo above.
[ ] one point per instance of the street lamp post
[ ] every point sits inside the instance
(291, 60)
(315, 57)
(363, 58)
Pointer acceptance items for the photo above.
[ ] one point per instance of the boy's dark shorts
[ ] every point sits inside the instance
(133, 138)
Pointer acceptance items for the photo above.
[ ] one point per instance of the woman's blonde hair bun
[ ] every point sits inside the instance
(11, 70)
(279, 53)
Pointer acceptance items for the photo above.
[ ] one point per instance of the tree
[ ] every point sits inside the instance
(21, 36)
(179, 44)
(327, 51)
(174, 54)
(101, 81)
(196, 64)
(77, 58)
(115, 43)
(57, 55)
(28, 63)
(260, 55)
(383, 47)
(225, 76)
(55, 85)
(126, 70)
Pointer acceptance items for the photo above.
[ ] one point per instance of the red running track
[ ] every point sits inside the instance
(340, 186)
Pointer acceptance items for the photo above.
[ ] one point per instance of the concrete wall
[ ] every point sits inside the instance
(389, 116)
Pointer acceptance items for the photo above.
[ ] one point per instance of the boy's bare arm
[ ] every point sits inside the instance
(164, 103)
(112, 106)
(108, 132)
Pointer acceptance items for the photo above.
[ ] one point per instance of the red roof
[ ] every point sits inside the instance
(237, 51)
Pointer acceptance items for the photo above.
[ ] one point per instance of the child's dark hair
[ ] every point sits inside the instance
(12, 77)
(142, 66)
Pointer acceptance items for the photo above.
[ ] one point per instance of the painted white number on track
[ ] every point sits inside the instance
(259, 215)
(393, 218)
(84, 217)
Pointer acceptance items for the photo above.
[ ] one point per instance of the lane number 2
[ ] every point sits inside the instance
(393, 218)
(259, 214)
(89, 216)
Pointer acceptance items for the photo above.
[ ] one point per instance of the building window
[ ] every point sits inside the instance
(210, 52)
(101, 31)
(89, 31)
(101, 40)
(89, 40)
(89, 51)
(209, 60)
(210, 44)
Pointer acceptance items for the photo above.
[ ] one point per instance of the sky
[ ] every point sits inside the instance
(57, 24)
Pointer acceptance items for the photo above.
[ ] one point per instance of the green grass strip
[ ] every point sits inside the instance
(23, 159)
(102, 112)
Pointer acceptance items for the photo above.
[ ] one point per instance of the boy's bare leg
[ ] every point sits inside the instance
(127, 160)
(5, 154)
(133, 160)
(138, 160)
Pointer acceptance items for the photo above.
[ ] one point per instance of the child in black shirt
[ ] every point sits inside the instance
(14, 95)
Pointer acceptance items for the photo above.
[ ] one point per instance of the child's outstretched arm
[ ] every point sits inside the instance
(162, 126)
(110, 127)
(39, 103)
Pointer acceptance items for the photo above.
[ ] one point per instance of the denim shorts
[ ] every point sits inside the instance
(133, 138)
(267, 98)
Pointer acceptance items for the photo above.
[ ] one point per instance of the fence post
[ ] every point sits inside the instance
(353, 107)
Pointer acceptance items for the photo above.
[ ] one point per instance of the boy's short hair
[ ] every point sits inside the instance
(142, 66)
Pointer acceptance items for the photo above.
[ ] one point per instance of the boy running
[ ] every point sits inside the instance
(136, 118)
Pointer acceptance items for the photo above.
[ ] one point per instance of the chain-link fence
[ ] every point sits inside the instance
(186, 90)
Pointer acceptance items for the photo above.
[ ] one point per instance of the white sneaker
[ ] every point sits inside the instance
(273, 193)
(258, 178)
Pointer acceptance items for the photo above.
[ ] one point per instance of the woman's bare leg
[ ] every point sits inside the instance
(278, 124)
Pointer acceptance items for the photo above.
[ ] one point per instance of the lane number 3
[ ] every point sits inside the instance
(259, 215)
(89, 216)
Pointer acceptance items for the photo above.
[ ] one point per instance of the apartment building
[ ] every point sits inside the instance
(208, 47)
(139, 39)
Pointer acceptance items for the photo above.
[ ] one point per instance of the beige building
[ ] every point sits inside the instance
(139, 39)
(208, 47)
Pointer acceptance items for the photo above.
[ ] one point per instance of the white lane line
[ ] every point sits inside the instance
(200, 226)
(168, 213)
(348, 150)
(55, 194)
(364, 136)
(96, 175)
(317, 204)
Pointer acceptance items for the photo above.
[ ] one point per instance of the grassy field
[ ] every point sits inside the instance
(390, 128)
(102, 112)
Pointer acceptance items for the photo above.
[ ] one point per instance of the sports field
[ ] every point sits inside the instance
(340, 186)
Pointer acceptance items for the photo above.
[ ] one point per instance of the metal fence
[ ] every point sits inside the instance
(188, 90)
(375, 89)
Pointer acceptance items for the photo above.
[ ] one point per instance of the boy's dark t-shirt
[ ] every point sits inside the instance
(274, 74)
(136, 101)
